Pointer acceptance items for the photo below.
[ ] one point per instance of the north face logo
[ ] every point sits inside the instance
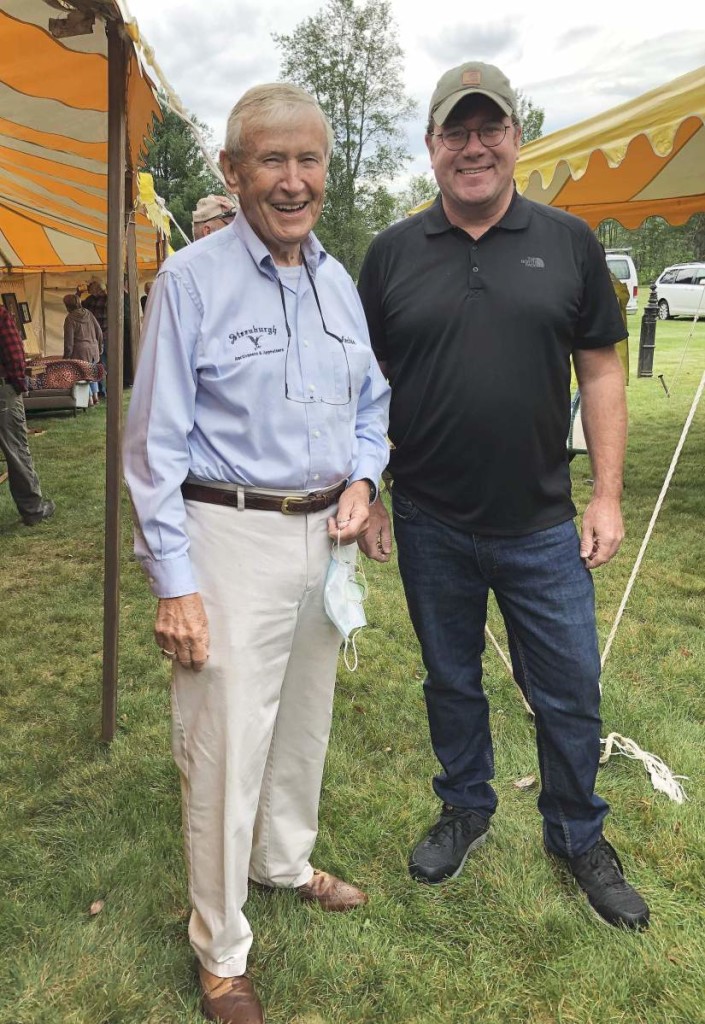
(534, 261)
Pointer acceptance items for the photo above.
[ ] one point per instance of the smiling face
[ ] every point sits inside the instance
(476, 182)
(280, 181)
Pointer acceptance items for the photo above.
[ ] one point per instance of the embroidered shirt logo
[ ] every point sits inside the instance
(256, 335)
(253, 333)
(534, 261)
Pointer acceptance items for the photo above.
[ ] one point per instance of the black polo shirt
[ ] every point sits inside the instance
(476, 337)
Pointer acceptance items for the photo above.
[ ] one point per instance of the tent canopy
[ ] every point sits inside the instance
(640, 159)
(54, 137)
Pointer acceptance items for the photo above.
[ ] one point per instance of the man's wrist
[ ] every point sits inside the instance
(373, 489)
(371, 486)
(611, 494)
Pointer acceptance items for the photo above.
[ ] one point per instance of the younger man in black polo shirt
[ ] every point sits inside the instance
(475, 307)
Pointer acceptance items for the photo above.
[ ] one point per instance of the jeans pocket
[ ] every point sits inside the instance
(403, 507)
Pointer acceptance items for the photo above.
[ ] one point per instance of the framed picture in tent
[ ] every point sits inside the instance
(25, 313)
(9, 301)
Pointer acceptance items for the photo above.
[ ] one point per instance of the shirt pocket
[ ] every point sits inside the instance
(352, 368)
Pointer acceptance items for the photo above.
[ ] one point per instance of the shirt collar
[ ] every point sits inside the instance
(515, 218)
(313, 251)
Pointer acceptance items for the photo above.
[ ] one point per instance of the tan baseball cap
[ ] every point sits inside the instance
(466, 80)
(213, 206)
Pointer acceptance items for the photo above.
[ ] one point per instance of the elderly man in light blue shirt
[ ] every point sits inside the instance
(256, 436)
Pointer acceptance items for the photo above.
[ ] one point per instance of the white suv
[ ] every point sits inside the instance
(681, 291)
(622, 266)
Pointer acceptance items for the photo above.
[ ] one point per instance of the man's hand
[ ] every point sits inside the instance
(182, 627)
(602, 531)
(377, 541)
(353, 513)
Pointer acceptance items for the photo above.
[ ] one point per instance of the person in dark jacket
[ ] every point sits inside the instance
(83, 337)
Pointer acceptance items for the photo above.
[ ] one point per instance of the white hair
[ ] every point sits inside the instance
(275, 103)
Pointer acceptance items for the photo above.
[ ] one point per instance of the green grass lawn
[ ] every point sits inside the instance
(509, 942)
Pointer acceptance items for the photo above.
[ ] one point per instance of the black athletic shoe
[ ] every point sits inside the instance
(442, 854)
(599, 874)
(47, 511)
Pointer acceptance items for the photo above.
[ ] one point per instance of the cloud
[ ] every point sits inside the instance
(461, 42)
(622, 73)
(213, 50)
(212, 59)
(577, 35)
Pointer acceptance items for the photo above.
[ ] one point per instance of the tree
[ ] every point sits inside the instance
(531, 117)
(347, 56)
(656, 244)
(421, 189)
(181, 176)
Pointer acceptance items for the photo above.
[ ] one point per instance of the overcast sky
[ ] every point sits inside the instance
(591, 56)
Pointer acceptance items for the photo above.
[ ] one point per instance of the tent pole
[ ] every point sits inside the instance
(132, 280)
(117, 91)
(43, 280)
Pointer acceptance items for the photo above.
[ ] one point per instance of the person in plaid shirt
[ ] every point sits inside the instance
(24, 484)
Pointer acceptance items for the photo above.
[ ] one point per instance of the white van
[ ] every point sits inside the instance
(622, 266)
(680, 290)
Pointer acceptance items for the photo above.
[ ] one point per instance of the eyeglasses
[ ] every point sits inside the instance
(490, 135)
(312, 398)
(226, 215)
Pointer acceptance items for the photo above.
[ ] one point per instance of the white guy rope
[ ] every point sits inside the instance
(662, 778)
(654, 517)
(507, 665)
(172, 98)
(688, 339)
(176, 224)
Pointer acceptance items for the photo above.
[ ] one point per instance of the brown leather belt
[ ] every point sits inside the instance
(296, 504)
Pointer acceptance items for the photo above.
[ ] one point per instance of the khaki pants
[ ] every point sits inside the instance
(250, 731)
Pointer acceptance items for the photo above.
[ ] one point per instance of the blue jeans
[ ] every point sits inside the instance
(546, 597)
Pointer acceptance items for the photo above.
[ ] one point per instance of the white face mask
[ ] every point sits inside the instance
(345, 590)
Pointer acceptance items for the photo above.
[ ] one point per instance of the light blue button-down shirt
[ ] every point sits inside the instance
(209, 394)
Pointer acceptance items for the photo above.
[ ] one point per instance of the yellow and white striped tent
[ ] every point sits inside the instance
(53, 149)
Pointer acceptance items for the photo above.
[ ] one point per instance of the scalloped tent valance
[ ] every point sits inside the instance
(643, 158)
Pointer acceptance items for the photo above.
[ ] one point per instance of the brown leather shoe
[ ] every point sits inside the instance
(230, 1000)
(331, 893)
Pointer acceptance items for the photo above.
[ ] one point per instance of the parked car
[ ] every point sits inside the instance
(680, 290)
(622, 266)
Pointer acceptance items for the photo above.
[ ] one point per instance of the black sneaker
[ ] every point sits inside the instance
(47, 511)
(442, 854)
(599, 874)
